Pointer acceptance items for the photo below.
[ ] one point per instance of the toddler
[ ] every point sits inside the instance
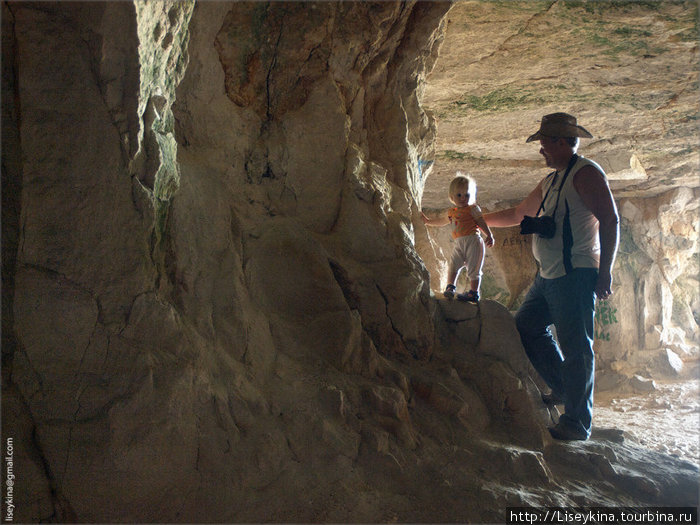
(466, 221)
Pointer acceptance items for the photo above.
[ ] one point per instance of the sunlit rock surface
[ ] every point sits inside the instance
(627, 70)
(216, 310)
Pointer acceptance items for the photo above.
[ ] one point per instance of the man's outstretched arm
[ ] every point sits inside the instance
(513, 216)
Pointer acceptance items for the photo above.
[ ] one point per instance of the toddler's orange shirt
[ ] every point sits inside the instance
(462, 220)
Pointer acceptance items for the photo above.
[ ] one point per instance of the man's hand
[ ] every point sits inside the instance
(603, 287)
(489, 240)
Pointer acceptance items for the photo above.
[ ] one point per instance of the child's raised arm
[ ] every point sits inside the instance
(439, 218)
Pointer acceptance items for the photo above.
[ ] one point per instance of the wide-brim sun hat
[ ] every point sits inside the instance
(559, 125)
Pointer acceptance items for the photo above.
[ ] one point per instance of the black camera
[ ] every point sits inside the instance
(542, 226)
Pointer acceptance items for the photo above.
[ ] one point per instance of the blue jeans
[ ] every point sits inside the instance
(568, 366)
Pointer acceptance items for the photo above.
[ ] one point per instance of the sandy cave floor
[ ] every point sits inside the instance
(666, 419)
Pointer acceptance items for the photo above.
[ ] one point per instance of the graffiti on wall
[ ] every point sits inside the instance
(605, 317)
(515, 240)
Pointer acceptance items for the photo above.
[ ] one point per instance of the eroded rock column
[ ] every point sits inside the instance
(180, 269)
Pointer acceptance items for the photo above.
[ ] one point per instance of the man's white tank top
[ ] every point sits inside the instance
(576, 243)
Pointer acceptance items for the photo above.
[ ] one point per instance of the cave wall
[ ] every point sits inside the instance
(211, 199)
(324, 139)
(650, 326)
(217, 312)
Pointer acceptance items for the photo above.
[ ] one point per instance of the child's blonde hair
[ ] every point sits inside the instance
(465, 182)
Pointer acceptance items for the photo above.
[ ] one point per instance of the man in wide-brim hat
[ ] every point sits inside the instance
(559, 125)
(575, 262)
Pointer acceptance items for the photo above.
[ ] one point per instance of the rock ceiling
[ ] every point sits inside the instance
(627, 70)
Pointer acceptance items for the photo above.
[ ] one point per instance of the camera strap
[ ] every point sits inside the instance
(561, 186)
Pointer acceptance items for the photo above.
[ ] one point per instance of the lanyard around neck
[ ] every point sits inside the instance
(563, 180)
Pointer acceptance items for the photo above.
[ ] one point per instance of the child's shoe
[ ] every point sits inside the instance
(449, 291)
(471, 297)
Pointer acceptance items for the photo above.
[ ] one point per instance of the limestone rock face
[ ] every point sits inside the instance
(654, 310)
(628, 72)
(218, 312)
